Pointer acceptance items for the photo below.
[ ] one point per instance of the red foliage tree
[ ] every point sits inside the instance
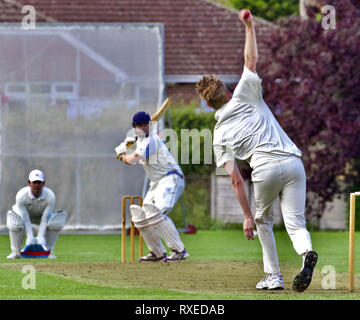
(312, 85)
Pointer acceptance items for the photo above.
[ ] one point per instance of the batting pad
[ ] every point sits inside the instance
(34, 251)
(168, 232)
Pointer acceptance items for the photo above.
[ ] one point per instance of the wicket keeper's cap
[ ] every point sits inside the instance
(36, 175)
(140, 117)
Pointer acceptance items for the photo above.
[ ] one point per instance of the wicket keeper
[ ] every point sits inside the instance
(247, 130)
(34, 204)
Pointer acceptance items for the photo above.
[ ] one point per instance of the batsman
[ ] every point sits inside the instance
(167, 183)
(247, 130)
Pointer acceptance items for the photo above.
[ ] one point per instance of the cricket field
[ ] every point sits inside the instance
(223, 266)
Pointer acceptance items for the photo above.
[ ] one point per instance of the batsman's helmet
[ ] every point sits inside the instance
(140, 117)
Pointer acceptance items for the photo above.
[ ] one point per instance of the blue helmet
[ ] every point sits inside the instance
(140, 117)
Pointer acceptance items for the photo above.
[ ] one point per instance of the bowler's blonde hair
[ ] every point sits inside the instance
(213, 91)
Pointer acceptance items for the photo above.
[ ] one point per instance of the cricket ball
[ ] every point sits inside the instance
(246, 14)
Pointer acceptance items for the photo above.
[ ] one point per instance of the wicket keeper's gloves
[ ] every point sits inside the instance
(30, 241)
(41, 241)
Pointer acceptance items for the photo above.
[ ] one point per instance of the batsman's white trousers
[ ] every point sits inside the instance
(163, 194)
(286, 179)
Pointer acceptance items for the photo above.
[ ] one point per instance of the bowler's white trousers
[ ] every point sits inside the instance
(286, 179)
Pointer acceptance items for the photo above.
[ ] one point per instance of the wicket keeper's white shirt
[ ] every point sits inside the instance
(155, 157)
(27, 206)
(247, 130)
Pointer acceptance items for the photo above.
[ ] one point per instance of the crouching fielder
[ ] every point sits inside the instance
(247, 130)
(34, 204)
(166, 185)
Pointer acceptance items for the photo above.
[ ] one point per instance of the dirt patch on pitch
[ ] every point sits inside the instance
(222, 277)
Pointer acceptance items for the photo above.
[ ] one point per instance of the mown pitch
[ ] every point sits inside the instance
(222, 266)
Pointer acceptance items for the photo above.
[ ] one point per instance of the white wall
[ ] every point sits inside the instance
(226, 208)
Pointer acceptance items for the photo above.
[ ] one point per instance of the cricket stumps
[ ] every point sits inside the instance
(124, 201)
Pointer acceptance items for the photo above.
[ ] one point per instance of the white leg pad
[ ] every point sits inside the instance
(16, 226)
(16, 240)
(55, 223)
(144, 220)
(15, 222)
(146, 216)
(57, 220)
(152, 212)
(169, 234)
(138, 216)
(51, 237)
(152, 240)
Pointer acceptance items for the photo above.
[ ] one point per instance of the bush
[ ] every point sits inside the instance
(194, 207)
(268, 9)
(309, 81)
(187, 118)
(196, 204)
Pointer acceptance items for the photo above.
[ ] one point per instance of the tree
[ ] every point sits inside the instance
(312, 84)
(268, 9)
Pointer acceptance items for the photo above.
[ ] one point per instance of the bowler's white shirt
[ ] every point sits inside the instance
(247, 130)
(155, 157)
(27, 205)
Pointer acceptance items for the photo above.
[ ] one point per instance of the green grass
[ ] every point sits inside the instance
(89, 267)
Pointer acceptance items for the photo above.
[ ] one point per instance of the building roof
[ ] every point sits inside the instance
(200, 36)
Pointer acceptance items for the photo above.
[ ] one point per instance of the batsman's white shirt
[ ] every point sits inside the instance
(155, 157)
(247, 130)
(167, 179)
(34, 209)
(166, 186)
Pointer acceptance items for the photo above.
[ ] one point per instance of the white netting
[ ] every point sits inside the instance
(68, 96)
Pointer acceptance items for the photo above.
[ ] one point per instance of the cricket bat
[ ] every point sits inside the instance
(121, 149)
(161, 111)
